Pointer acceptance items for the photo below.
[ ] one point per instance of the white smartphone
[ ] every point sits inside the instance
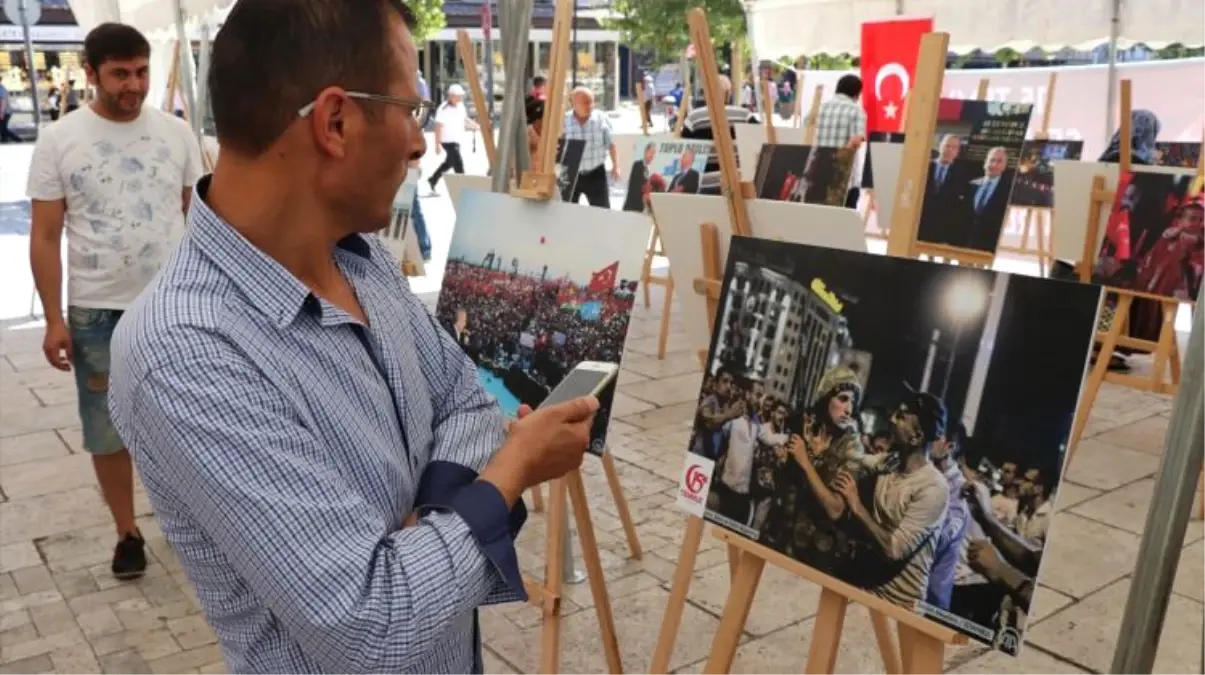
(589, 378)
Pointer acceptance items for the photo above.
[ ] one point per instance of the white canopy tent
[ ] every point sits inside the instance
(797, 27)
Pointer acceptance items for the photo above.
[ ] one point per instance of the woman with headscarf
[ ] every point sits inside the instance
(1146, 316)
(805, 521)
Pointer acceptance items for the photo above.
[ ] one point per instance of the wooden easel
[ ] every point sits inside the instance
(1035, 215)
(540, 185)
(809, 132)
(798, 121)
(468, 56)
(655, 249)
(169, 102)
(768, 113)
(741, 552)
(922, 642)
(1165, 375)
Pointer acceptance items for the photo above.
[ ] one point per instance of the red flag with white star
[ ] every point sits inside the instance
(889, 52)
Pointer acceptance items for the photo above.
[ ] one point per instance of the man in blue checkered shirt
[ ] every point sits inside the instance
(319, 452)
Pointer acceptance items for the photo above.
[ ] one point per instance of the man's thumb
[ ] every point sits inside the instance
(578, 409)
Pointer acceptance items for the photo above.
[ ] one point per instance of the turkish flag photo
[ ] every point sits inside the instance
(889, 51)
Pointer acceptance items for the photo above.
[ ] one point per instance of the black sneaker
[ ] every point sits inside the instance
(129, 558)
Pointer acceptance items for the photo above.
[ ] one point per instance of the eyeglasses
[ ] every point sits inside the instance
(420, 108)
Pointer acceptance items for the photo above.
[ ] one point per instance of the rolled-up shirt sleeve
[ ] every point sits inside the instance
(354, 590)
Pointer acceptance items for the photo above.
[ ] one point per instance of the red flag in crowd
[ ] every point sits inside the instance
(889, 51)
(604, 279)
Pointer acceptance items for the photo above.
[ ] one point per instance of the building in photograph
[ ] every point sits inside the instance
(768, 318)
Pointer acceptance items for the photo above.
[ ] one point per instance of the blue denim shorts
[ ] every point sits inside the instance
(91, 333)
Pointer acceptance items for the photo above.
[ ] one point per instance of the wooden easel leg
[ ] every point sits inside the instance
(1099, 370)
(621, 506)
(826, 632)
(550, 634)
(594, 571)
(922, 653)
(647, 270)
(887, 649)
(537, 499)
(1175, 359)
(666, 310)
(1164, 346)
(678, 590)
(736, 613)
(1045, 263)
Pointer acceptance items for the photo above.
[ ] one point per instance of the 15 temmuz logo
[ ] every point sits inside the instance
(696, 480)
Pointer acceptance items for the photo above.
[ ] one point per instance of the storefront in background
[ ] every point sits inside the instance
(58, 53)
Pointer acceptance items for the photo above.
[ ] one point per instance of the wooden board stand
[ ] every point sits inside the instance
(655, 249)
(539, 185)
(809, 132)
(1037, 220)
(468, 56)
(922, 640)
(1165, 375)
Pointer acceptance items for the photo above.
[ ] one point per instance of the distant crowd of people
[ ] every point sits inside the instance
(489, 310)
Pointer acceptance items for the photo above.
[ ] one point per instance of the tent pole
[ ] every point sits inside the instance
(1167, 519)
(754, 63)
(188, 78)
(1111, 107)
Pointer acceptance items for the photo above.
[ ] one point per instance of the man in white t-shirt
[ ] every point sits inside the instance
(117, 177)
(451, 121)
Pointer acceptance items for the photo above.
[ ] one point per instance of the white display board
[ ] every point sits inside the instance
(678, 218)
(750, 138)
(459, 182)
(885, 158)
(1072, 193)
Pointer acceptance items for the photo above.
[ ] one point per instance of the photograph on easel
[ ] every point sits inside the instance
(907, 441)
(1184, 154)
(665, 166)
(1034, 185)
(1155, 236)
(530, 291)
(876, 137)
(970, 176)
(568, 164)
(801, 173)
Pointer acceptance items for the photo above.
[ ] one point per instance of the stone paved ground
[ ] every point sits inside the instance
(61, 612)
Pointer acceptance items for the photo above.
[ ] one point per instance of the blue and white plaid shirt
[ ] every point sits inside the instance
(838, 120)
(596, 132)
(283, 445)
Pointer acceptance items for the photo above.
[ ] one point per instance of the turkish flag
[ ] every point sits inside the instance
(889, 51)
(604, 279)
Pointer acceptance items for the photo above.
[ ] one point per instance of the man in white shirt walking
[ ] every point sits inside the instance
(451, 121)
(118, 178)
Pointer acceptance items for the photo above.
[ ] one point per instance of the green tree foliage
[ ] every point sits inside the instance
(429, 15)
(659, 26)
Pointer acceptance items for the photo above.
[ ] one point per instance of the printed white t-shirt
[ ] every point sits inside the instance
(452, 118)
(123, 183)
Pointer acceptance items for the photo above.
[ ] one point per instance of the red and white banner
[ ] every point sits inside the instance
(889, 51)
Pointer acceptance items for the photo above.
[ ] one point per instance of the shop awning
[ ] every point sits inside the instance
(798, 27)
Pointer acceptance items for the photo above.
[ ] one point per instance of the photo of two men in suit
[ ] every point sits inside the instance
(966, 200)
(674, 168)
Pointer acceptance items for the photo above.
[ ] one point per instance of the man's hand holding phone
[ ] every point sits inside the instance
(542, 445)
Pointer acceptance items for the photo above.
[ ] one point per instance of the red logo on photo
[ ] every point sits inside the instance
(696, 480)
